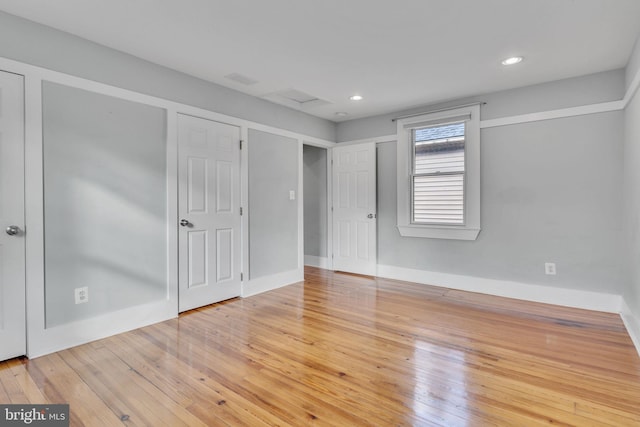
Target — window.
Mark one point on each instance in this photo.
(439, 174)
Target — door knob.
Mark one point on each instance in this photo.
(371, 216)
(184, 223)
(12, 230)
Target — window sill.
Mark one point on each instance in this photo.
(435, 232)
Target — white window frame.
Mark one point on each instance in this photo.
(471, 227)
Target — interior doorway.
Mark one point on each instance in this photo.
(316, 206)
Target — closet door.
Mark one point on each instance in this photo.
(12, 246)
(209, 203)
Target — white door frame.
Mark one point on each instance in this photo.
(329, 183)
(13, 262)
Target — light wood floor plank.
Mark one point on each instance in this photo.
(124, 390)
(188, 386)
(348, 350)
(25, 382)
(59, 383)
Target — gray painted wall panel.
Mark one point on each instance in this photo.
(273, 218)
(550, 191)
(36, 44)
(633, 67)
(632, 204)
(315, 201)
(105, 202)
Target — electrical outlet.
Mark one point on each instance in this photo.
(292, 195)
(550, 268)
(82, 295)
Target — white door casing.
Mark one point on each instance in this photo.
(354, 208)
(12, 247)
(209, 237)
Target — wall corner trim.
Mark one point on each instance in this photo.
(316, 261)
(632, 323)
(632, 89)
(268, 283)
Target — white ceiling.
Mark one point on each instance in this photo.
(397, 54)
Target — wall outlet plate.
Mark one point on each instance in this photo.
(82, 295)
(550, 268)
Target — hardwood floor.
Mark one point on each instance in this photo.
(344, 350)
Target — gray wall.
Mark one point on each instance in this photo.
(591, 89)
(550, 192)
(273, 218)
(104, 203)
(632, 203)
(315, 201)
(634, 64)
(36, 44)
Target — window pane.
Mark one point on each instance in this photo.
(439, 149)
(438, 169)
(438, 199)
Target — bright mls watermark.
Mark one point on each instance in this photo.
(34, 415)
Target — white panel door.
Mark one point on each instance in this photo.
(209, 200)
(354, 208)
(12, 259)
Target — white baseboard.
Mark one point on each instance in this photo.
(73, 334)
(316, 261)
(632, 323)
(81, 332)
(546, 294)
(268, 283)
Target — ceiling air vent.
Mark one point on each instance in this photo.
(239, 78)
(295, 98)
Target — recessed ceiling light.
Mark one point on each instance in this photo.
(341, 114)
(355, 98)
(513, 60)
